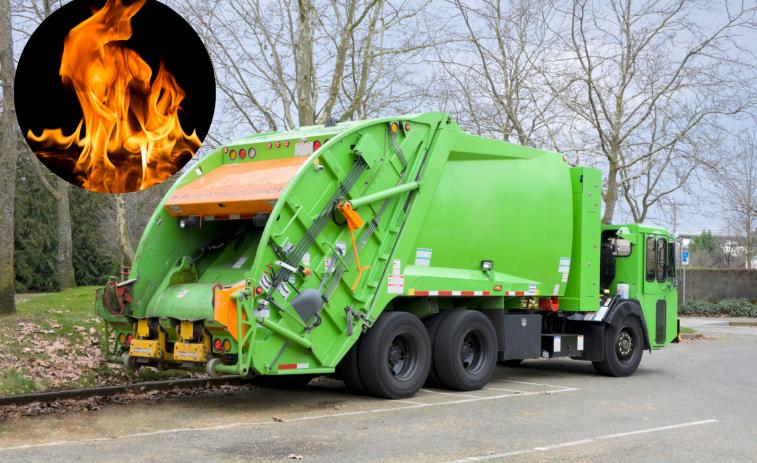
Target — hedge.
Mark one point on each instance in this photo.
(730, 307)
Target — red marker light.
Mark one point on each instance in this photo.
(286, 143)
(278, 144)
(407, 127)
(259, 290)
(129, 337)
(316, 145)
(242, 153)
(217, 344)
(225, 150)
(270, 145)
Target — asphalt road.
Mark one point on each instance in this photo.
(689, 402)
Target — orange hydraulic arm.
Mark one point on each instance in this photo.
(354, 222)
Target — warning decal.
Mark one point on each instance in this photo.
(396, 284)
(265, 282)
(557, 290)
(239, 262)
(396, 267)
(564, 265)
(306, 258)
(327, 265)
(423, 257)
(284, 290)
(182, 293)
(564, 277)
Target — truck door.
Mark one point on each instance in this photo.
(656, 288)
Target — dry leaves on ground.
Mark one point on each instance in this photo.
(95, 403)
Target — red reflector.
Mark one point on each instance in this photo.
(259, 290)
(316, 145)
(269, 145)
(128, 339)
(286, 143)
(217, 344)
(407, 127)
(242, 153)
(278, 144)
(225, 150)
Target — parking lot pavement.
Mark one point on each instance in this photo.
(690, 401)
(719, 327)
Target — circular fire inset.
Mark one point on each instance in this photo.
(115, 96)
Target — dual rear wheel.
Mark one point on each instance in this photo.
(400, 353)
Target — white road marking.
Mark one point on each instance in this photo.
(500, 389)
(532, 384)
(447, 393)
(695, 423)
(585, 441)
(565, 444)
(303, 418)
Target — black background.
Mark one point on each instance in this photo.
(43, 102)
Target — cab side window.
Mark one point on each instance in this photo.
(651, 258)
(662, 259)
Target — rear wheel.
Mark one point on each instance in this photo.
(623, 348)
(465, 350)
(395, 356)
(348, 370)
(432, 324)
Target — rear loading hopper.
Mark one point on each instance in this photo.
(274, 254)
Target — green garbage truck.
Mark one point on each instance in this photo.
(394, 253)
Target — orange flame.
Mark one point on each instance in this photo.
(125, 116)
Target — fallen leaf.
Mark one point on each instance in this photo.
(295, 457)
(92, 331)
(337, 407)
(278, 420)
(547, 393)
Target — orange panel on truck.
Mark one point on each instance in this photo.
(235, 188)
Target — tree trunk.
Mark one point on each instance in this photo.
(8, 151)
(304, 65)
(611, 196)
(123, 234)
(65, 246)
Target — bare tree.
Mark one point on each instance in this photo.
(642, 75)
(30, 14)
(492, 85)
(735, 193)
(281, 64)
(8, 155)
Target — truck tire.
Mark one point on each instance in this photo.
(624, 346)
(465, 350)
(395, 356)
(348, 370)
(432, 324)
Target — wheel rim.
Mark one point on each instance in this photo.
(403, 356)
(625, 345)
(473, 353)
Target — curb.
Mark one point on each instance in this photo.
(691, 336)
(23, 399)
(743, 323)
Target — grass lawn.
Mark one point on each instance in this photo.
(55, 341)
(687, 330)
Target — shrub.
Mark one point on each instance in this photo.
(697, 308)
(730, 307)
(737, 308)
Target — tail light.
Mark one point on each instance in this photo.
(242, 153)
(270, 145)
(225, 150)
(278, 144)
(217, 345)
(316, 145)
(286, 143)
(129, 337)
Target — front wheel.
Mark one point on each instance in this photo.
(395, 356)
(623, 347)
